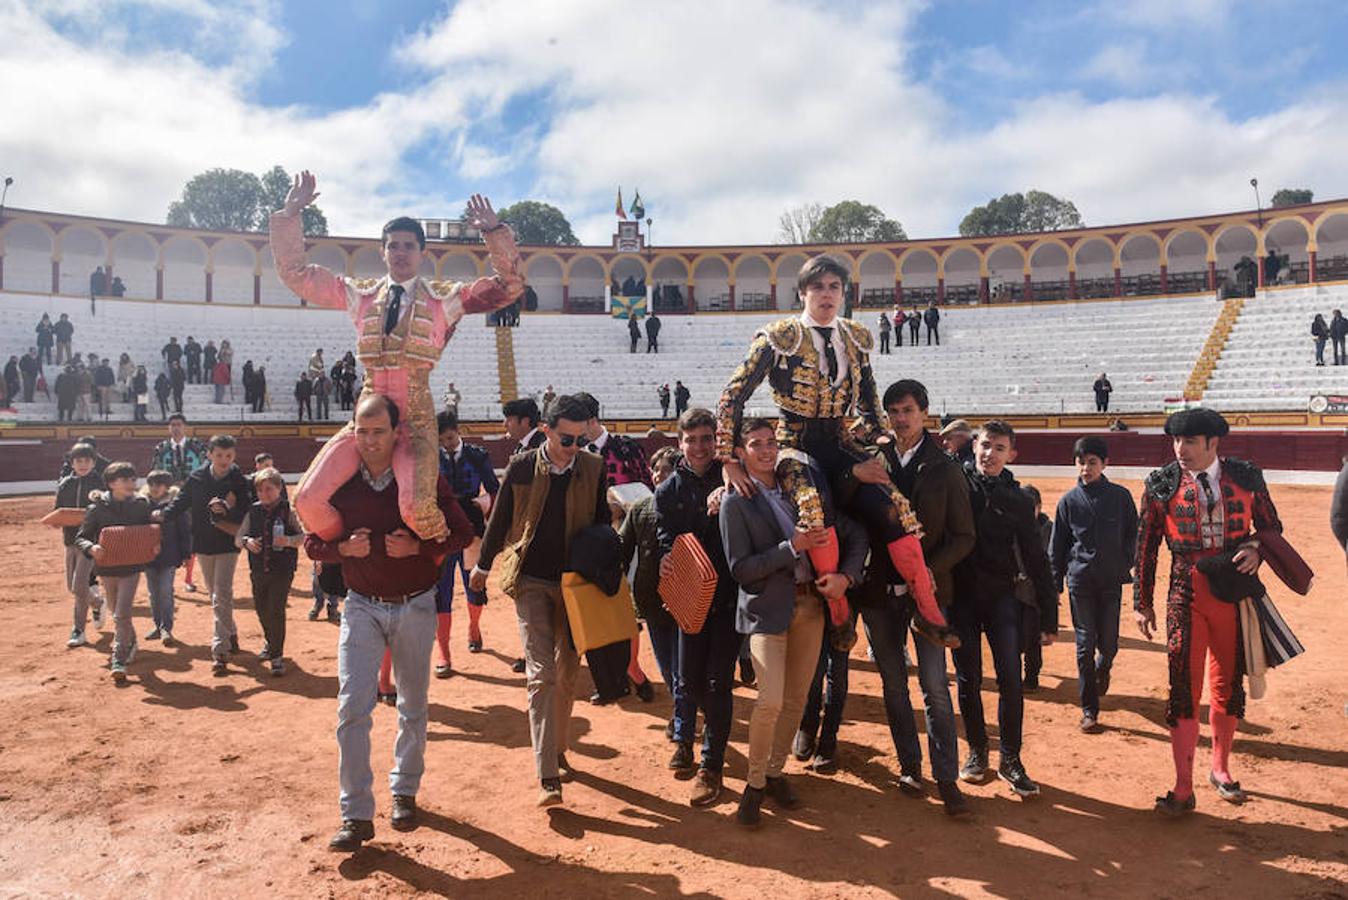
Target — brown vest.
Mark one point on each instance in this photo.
(528, 500)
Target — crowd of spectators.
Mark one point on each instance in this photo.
(890, 329)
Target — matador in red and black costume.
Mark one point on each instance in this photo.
(1202, 505)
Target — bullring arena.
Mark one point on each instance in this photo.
(178, 784)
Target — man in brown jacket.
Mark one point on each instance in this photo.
(555, 489)
(933, 483)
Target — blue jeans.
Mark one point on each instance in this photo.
(887, 632)
(999, 620)
(665, 646)
(408, 631)
(159, 582)
(833, 664)
(706, 678)
(1095, 616)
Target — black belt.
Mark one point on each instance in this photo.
(395, 599)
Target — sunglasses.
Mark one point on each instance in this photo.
(569, 440)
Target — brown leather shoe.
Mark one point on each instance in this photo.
(404, 816)
(706, 788)
(353, 833)
(779, 789)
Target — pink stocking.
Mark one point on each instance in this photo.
(333, 467)
(634, 665)
(1183, 742)
(443, 622)
(906, 554)
(386, 673)
(1223, 736)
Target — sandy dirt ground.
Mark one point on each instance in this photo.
(184, 785)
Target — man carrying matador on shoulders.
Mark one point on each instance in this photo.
(403, 322)
(817, 366)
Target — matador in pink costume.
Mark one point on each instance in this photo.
(402, 325)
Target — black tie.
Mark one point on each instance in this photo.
(1207, 491)
(395, 306)
(830, 357)
(178, 456)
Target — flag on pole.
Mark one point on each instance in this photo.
(638, 208)
(619, 211)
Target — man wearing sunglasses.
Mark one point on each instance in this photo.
(553, 491)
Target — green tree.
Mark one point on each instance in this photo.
(538, 223)
(851, 221)
(234, 200)
(1012, 213)
(275, 186)
(795, 225)
(1292, 196)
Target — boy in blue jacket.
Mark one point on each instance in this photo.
(175, 546)
(1094, 544)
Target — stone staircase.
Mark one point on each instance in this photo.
(505, 363)
(1212, 349)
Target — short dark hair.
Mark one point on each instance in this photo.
(697, 417)
(446, 420)
(88, 439)
(906, 387)
(223, 441)
(257, 459)
(403, 223)
(752, 424)
(83, 450)
(569, 407)
(999, 427)
(667, 454)
(590, 402)
(178, 417)
(1090, 445)
(159, 476)
(389, 406)
(521, 408)
(117, 470)
(1032, 492)
(816, 267)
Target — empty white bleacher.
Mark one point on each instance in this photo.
(279, 338)
(1034, 358)
(1269, 359)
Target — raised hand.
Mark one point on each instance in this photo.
(302, 193)
(480, 214)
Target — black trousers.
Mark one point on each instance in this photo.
(193, 371)
(270, 590)
(322, 407)
(653, 344)
(1102, 403)
(884, 342)
(305, 407)
(934, 331)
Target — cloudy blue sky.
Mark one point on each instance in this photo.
(722, 114)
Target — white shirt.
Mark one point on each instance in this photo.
(597, 445)
(836, 339)
(907, 456)
(552, 466)
(409, 294)
(524, 441)
(1214, 472)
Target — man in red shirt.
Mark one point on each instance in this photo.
(391, 576)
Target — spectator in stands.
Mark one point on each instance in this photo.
(220, 380)
(246, 378)
(662, 393)
(633, 332)
(1320, 332)
(66, 386)
(85, 376)
(104, 381)
(162, 390)
(1102, 389)
(140, 392)
(12, 379)
(192, 352)
(260, 389)
(322, 390)
(914, 323)
(208, 355)
(63, 331)
(126, 370)
(885, 328)
(1338, 331)
(345, 379)
(548, 396)
(98, 283)
(933, 319)
(681, 397)
(899, 319)
(452, 399)
(46, 336)
(177, 381)
(1271, 266)
(304, 390)
(226, 356)
(171, 352)
(117, 289)
(316, 364)
(653, 333)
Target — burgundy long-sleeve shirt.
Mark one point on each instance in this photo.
(379, 575)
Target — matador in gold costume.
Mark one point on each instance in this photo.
(818, 368)
(403, 322)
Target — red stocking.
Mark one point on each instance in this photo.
(1183, 742)
(386, 673)
(906, 554)
(443, 622)
(1223, 736)
(474, 617)
(633, 664)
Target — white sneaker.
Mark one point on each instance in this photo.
(98, 616)
(154, 634)
(167, 637)
(76, 638)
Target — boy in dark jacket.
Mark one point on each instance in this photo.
(120, 505)
(1094, 545)
(218, 496)
(271, 534)
(73, 492)
(175, 547)
(1034, 653)
(986, 603)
